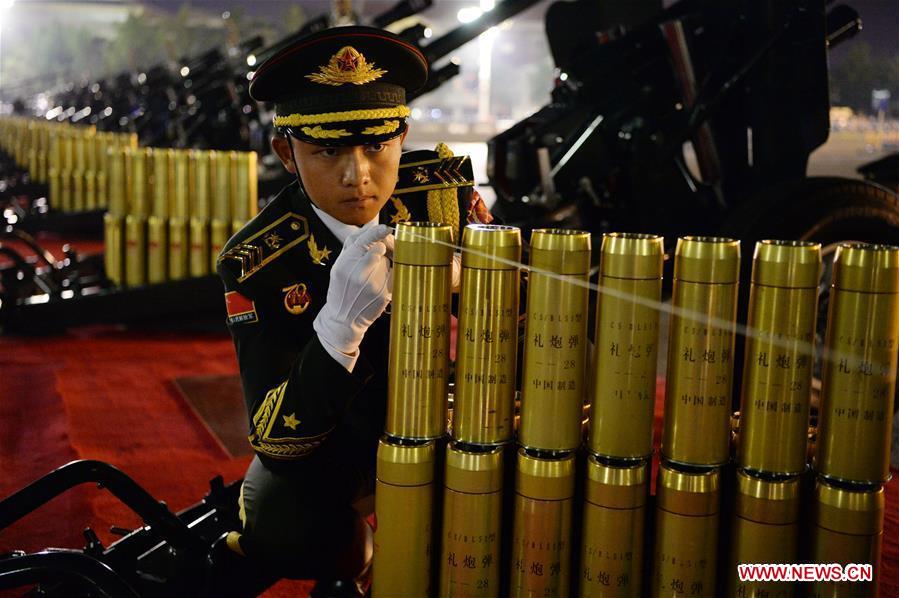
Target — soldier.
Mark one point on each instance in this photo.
(307, 283)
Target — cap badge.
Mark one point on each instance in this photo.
(348, 65)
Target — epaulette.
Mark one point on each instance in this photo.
(261, 248)
(436, 173)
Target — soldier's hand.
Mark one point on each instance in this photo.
(457, 272)
(358, 292)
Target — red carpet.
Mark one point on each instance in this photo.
(105, 393)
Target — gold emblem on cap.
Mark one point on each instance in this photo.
(348, 65)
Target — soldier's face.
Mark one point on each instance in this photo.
(352, 183)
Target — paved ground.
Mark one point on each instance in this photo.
(847, 150)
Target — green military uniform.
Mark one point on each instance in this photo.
(313, 425)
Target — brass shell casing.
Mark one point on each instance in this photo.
(114, 247)
(157, 222)
(179, 226)
(181, 185)
(78, 169)
(765, 530)
(859, 381)
(245, 185)
(848, 529)
(418, 364)
(221, 201)
(552, 393)
(201, 204)
(128, 140)
(199, 184)
(163, 183)
(471, 536)
(138, 164)
(700, 351)
(627, 336)
(30, 146)
(200, 244)
(687, 511)
(135, 250)
(90, 190)
(90, 171)
(777, 372)
(157, 249)
(614, 522)
(40, 165)
(220, 181)
(404, 508)
(488, 334)
(67, 159)
(117, 189)
(97, 165)
(179, 248)
(541, 540)
(54, 170)
(43, 159)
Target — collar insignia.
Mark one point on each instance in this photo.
(402, 212)
(297, 298)
(318, 255)
(348, 65)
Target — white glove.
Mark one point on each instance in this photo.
(358, 293)
(457, 272)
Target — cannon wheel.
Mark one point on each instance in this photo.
(826, 210)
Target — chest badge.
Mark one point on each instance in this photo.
(318, 255)
(297, 298)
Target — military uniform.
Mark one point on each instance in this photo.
(315, 419)
(313, 425)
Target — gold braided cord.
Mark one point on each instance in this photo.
(389, 126)
(241, 508)
(443, 204)
(296, 120)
